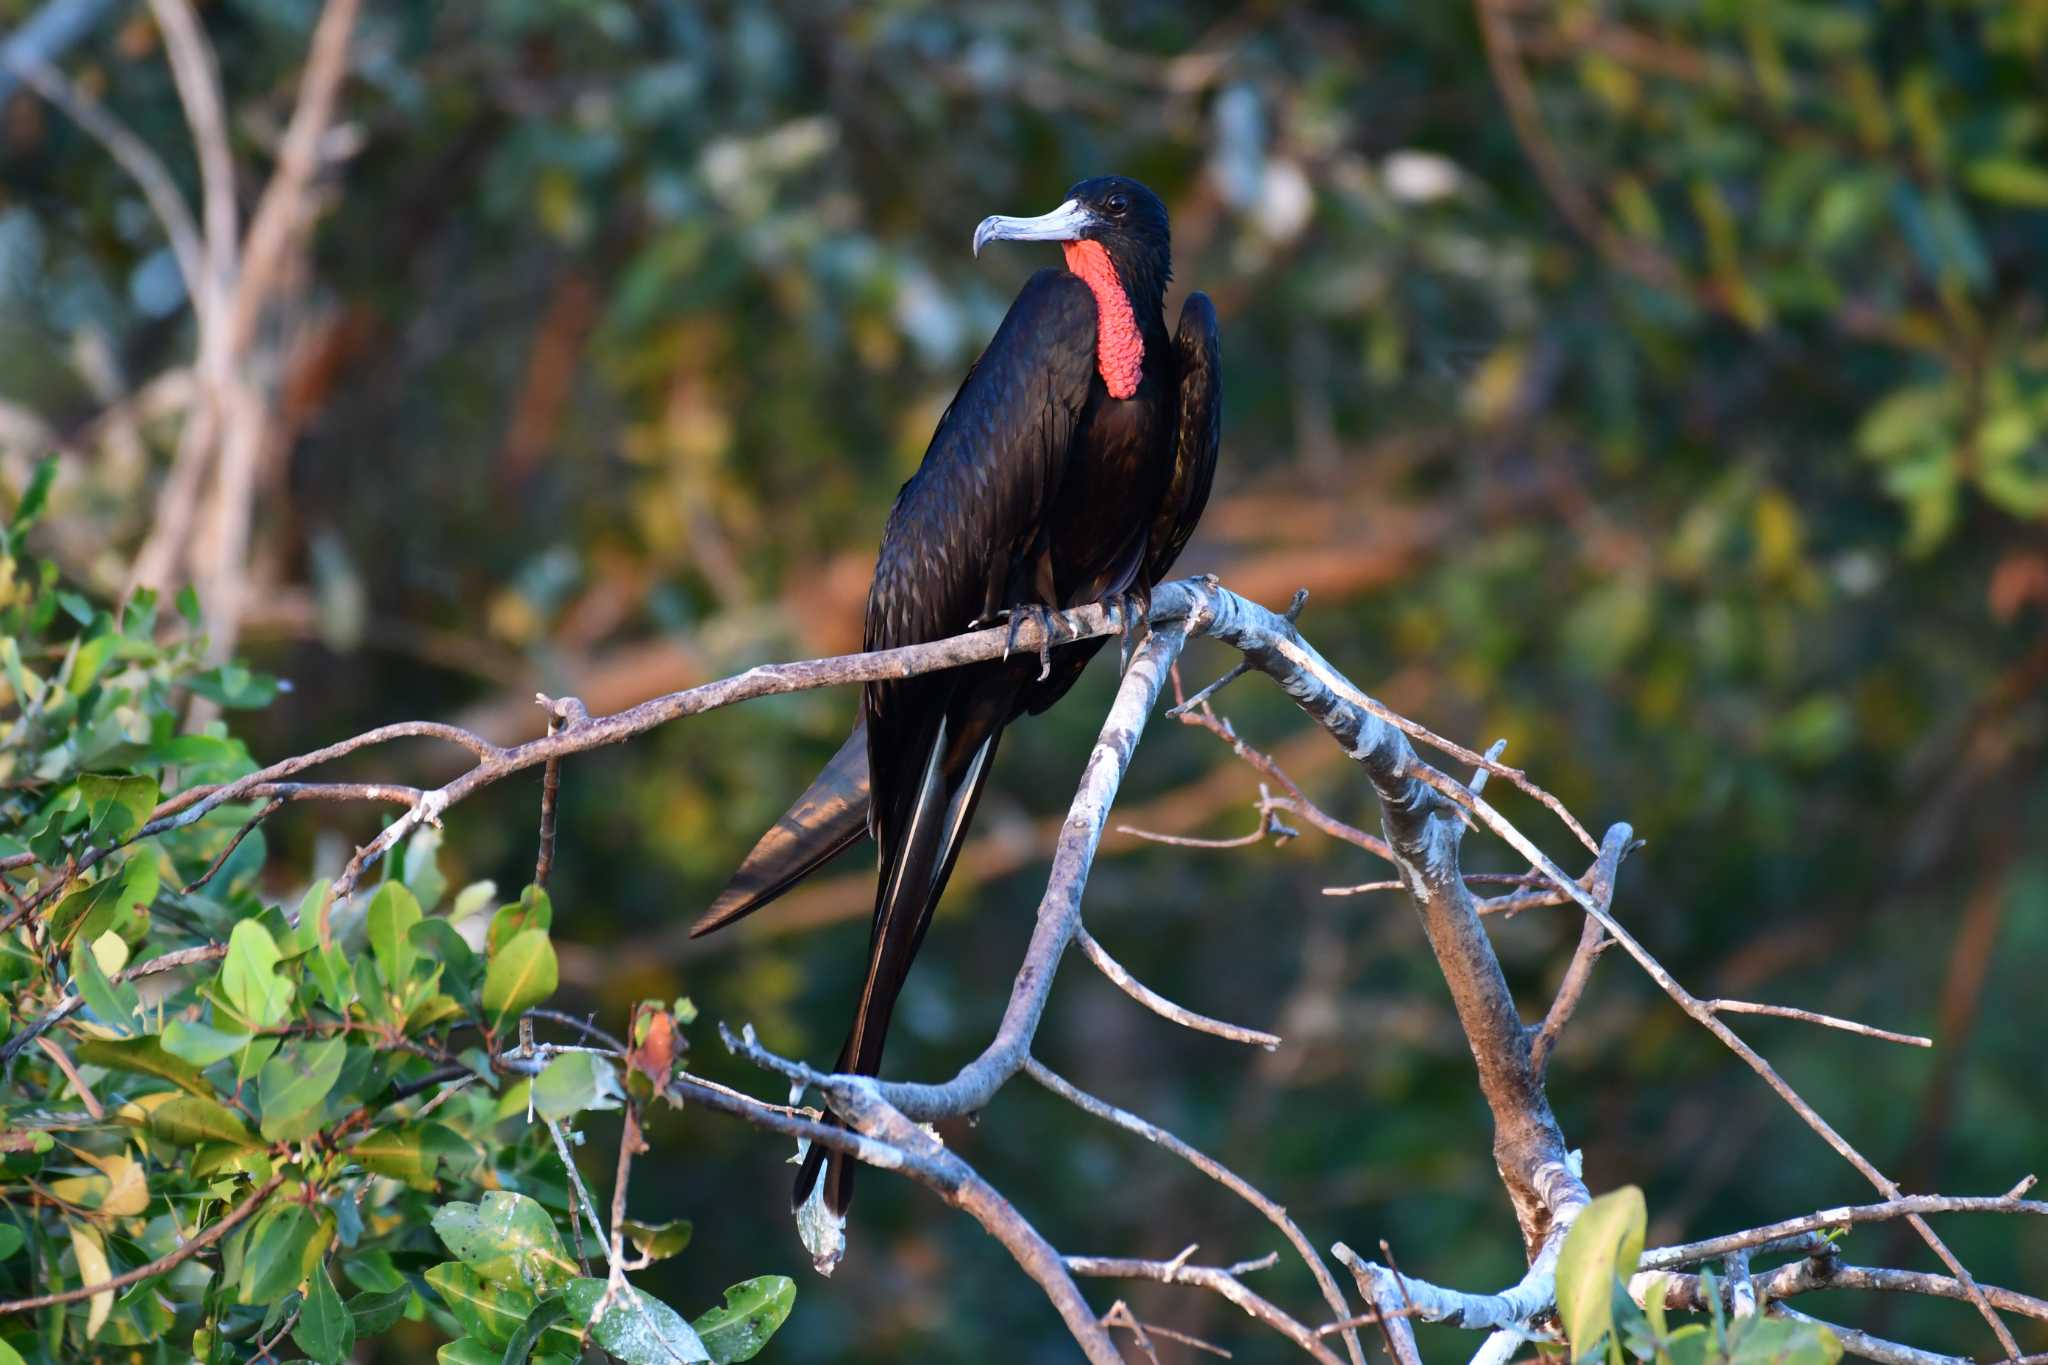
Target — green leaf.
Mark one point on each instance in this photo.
(325, 1332)
(639, 1330)
(89, 913)
(201, 1044)
(489, 1312)
(145, 1056)
(249, 977)
(422, 870)
(507, 1239)
(464, 1351)
(411, 1152)
(659, 1241)
(11, 1240)
(1604, 1244)
(113, 1005)
(573, 1082)
(1687, 1346)
(752, 1311)
(1778, 1341)
(190, 1120)
(235, 687)
(375, 1311)
(116, 806)
(534, 911)
(295, 1082)
(522, 974)
(34, 496)
(551, 1311)
(285, 1246)
(10, 1356)
(392, 915)
(2009, 180)
(330, 972)
(471, 899)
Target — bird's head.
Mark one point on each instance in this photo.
(1118, 214)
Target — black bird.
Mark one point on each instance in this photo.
(1070, 468)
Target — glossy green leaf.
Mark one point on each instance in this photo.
(638, 1329)
(391, 917)
(491, 1313)
(376, 1311)
(522, 974)
(574, 1082)
(192, 1119)
(116, 805)
(249, 978)
(533, 911)
(753, 1309)
(551, 1311)
(325, 1331)
(201, 1045)
(113, 1005)
(507, 1239)
(1602, 1247)
(145, 1056)
(285, 1246)
(659, 1241)
(295, 1083)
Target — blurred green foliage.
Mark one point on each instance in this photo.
(1662, 386)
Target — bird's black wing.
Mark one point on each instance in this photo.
(828, 818)
(1197, 434)
(965, 540)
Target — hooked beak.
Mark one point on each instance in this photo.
(1063, 224)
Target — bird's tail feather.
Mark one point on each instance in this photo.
(830, 815)
(909, 890)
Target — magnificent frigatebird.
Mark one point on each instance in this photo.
(1070, 468)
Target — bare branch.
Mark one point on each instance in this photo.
(1859, 1343)
(1908, 1206)
(1813, 1017)
(1215, 1170)
(1220, 1279)
(1592, 940)
(221, 860)
(1160, 1005)
(1814, 1273)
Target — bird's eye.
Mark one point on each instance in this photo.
(1116, 204)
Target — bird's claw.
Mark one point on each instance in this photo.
(1045, 619)
(1133, 610)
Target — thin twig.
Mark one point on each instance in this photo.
(1160, 1005)
(220, 861)
(1221, 1280)
(1215, 1170)
(1814, 1017)
(1908, 1206)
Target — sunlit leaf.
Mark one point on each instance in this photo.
(636, 1328)
(1601, 1248)
(753, 1309)
(507, 1239)
(522, 974)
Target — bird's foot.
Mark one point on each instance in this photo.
(1045, 619)
(1133, 610)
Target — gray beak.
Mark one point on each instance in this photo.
(1063, 224)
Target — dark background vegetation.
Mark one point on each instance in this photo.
(1691, 432)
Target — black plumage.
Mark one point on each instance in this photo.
(1041, 489)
